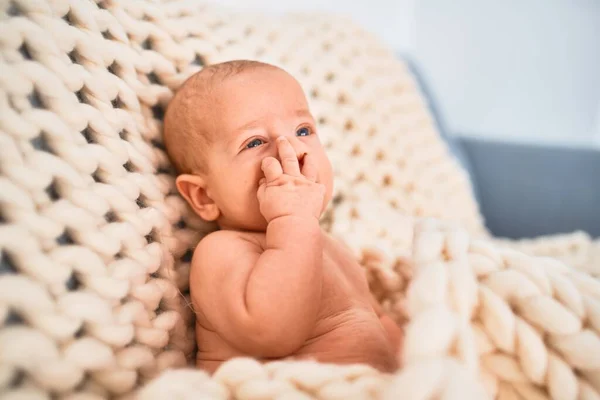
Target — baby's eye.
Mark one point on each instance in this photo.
(304, 131)
(254, 143)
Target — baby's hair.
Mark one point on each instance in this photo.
(185, 136)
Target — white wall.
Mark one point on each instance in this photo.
(391, 19)
(516, 69)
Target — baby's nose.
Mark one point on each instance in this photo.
(301, 159)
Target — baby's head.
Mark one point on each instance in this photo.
(220, 125)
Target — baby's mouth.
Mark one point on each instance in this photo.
(301, 160)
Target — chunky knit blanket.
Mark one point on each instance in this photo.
(95, 243)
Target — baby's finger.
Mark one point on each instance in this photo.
(287, 155)
(260, 193)
(309, 168)
(271, 168)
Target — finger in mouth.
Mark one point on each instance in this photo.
(301, 159)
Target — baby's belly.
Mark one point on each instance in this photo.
(349, 337)
(354, 336)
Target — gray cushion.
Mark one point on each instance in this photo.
(529, 190)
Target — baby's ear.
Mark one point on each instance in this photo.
(193, 190)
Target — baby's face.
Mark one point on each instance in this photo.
(251, 110)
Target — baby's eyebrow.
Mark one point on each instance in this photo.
(234, 135)
(248, 125)
(303, 112)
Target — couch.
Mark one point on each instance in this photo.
(524, 189)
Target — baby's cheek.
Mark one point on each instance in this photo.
(248, 175)
(257, 172)
(326, 178)
(327, 171)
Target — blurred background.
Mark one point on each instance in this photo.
(516, 70)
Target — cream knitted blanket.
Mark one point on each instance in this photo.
(95, 244)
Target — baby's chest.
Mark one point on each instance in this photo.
(343, 279)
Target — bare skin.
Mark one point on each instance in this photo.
(270, 284)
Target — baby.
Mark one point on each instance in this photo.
(270, 284)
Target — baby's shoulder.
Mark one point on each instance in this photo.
(224, 245)
(218, 241)
(219, 237)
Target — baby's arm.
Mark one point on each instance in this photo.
(265, 303)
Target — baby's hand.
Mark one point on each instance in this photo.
(287, 191)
